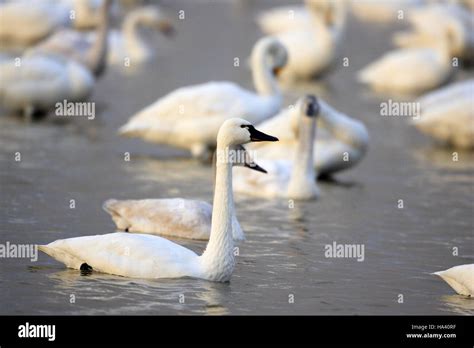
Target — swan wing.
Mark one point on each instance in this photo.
(125, 254)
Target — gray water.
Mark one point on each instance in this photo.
(284, 253)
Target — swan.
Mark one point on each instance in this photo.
(148, 256)
(409, 70)
(447, 114)
(381, 11)
(25, 23)
(452, 18)
(77, 46)
(174, 217)
(341, 142)
(294, 179)
(313, 49)
(42, 80)
(189, 117)
(460, 278)
(290, 18)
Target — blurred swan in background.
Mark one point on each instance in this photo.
(381, 11)
(450, 18)
(293, 178)
(36, 82)
(460, 278)
(292, 17)
(340, 144)
(313, 49)
(175, 217)
(410, 70)
(147, 256)
(447, 114)
(190, 117)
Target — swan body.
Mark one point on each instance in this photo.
(294, 178)
(447, 114)
(190, 117)
(411, 70)
(25, 23)
(340, 144)
(148, 256)
(381, 11)
(41, 82)
(460, 278)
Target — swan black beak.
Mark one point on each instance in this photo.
(256, 167)
(256, 135)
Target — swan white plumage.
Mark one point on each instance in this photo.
(189, 117)
(410, 70)
(25, 23)
(147, 256)
(447, 114)
(290, 18)
(313, 49)
(290, 178)
(340, 144)
(173, 217)
(381, 11)
(460, 278)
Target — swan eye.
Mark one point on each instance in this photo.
(247, 126)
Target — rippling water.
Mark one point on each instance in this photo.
(284, 251)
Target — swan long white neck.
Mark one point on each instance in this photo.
(263, 78)
(303, 176)
(133, 42)
(218, 258)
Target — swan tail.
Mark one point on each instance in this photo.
(68, 260)
(111, 206)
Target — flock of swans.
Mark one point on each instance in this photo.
(296, 145)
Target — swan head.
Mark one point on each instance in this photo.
(237, 131)
(244, 159)
(272, 52)
(152, 17)
(307, 107)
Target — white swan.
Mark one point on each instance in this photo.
(294, 178)
(291, 18)
(460, 278)
(25, 23)
(381, 11)
(148, 256)
(340, 144)
(174, 217)
(313, 49)
(410, 70)
(189, 117)
(447, 114)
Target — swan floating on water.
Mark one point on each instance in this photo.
(460, 278)
(174, 217)
(447, 114)
(290, 178)
(313, 49)
(190, 117)
(147, 256)
(341, 141)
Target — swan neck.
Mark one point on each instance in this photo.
(218, 258)
(96, 61)
(263, 78)
(133, 41)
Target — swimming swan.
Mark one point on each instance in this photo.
(410, 70)
(290, 178)
(313, 49)
(147, 256)
(190, 117)
(460, 278)
(174, 217)
(340, 144)
(447, 114)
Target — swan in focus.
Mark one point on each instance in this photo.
(189, 117)
(451, 18)
(290, 178)
(381, 11)
(447, 114)
(313, 49)
(175, 217)
(340, 144)
(460, 278)
(291, 18)
(25, 23)
(147, 256)
(42, 80)
(410, 70)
